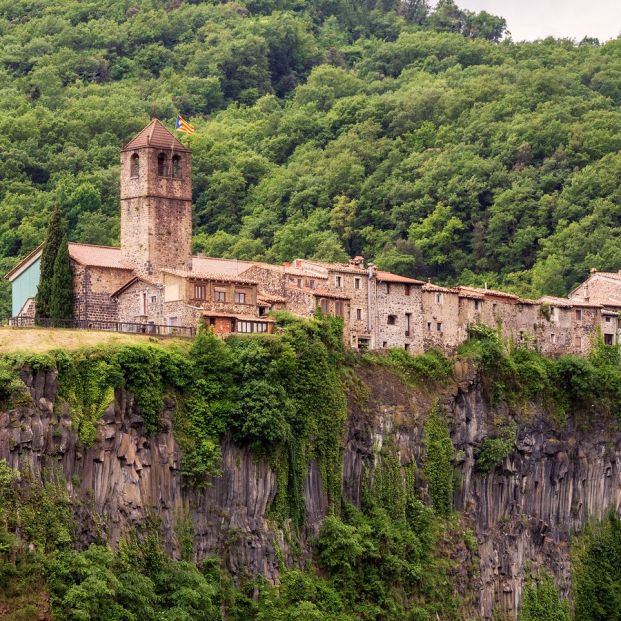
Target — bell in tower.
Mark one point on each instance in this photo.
(156, 202)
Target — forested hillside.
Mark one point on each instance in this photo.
(420, 139)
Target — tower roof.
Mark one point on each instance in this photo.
(155, 135)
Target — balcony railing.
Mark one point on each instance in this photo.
(108, 326)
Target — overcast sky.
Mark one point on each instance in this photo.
(536, 19)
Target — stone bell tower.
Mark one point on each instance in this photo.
(156, 202)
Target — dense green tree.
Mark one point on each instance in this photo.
(51, 246)
(61, 299)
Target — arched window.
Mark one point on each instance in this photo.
(176, 166)
(134, 165)
(161, 165)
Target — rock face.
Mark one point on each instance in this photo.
(522, 513)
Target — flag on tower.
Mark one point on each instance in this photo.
(183, 126)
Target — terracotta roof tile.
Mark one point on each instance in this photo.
(233, 267)
(98, 256)
(429, 286)
(155, 135)
(389, 277)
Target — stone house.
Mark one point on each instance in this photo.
(399, 312)
(441, 329)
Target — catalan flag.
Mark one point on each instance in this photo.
(183, 126)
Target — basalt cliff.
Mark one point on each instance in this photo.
(523, 512)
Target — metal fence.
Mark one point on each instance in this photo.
(108, 326)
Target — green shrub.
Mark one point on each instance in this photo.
(493, 451)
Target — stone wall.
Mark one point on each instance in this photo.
(396, 302)
(441, 329)
(93, 287)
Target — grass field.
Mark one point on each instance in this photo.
(38, 340)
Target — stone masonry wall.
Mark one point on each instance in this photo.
(396, 303)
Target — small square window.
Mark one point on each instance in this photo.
(607, 319)
(392, 320)
(384, 345)
(578, 314)
(219, 296)
(240, 297)
(608, 339)
(407, 347)
(439, 326)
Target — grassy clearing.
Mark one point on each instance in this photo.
(39, 340)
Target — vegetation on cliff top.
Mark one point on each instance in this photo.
(323, 129)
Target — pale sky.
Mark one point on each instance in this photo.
(537, 19)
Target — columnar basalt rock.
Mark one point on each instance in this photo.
(523, 513)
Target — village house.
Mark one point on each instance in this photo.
(153, 283)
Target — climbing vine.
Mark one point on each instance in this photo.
(438, 462)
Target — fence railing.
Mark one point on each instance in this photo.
(109, 326)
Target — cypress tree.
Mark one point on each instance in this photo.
(61, 302)
(50, 250)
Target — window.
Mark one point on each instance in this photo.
(387, 287)
(161, 165)
(359, 314)
(477, 305)
(171, 321)
(323, 303)
(408, 317)
(153, 299)
(247, 327)
(407, 347)
(262, 311)
(578, 342)
(363, 344)
(392, 320)
(439, 327)
(176, 166)
(578, 314)
(300, 283)
(240, 297)
(311, 283)
(494, 308)
(338, 281)
(356, 283)
(439, 298)
(553, 338)
(608, 339)
(554, 314)
(338, 308)
(607, 319)
(200, 292)
(521, 336)
(134, 165)
(407, 289)
(219, 295)
(429, 325)
(384, 345)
